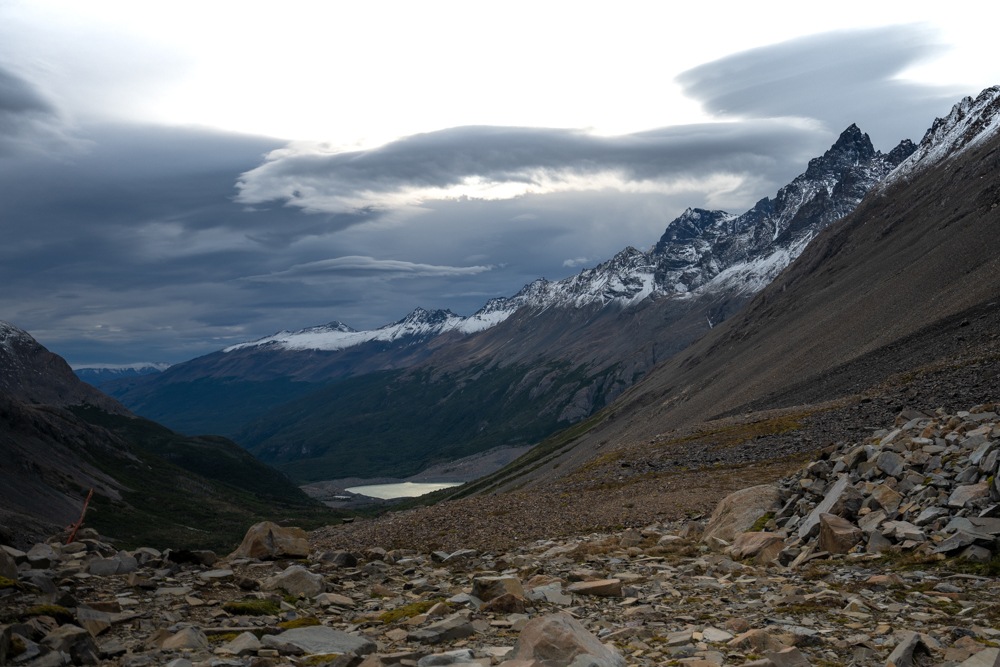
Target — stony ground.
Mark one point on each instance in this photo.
(880, 551)
(657, 597)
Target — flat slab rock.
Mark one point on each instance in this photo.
(319, 639)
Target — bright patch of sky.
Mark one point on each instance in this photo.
(360, 74)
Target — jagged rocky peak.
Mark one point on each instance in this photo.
(853, 147)
(690, 225)
(969, 122)
(421, 316)
(716, 250)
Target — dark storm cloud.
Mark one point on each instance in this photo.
(838, 78)
(132, 242)
(29, 122)
(17, 96)
(534, 156)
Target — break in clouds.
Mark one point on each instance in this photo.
(141, 242)
(772, 102)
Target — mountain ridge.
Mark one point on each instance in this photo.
(575, 362)
(60, 437)
(898, 300)
(544, 358)
(736, 244)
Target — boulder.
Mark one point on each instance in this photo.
(318, 639)
(559, 640)
(186, 638)
(989, 657)
(840, 499)
(268, 541)
(296, 580)
(8, 567)
(739, 511)
(599, 588)
(456, 626)
(837, 535)
(487, 588)
(763, 547)
(911, 651)
(964, 494)
(244, 644)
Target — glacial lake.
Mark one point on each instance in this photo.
(400, 490)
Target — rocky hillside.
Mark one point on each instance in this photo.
(31, 374)
(59, 438)
(912, 584)
(898, 292)
(436, 386)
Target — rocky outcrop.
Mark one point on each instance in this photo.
(928, 485)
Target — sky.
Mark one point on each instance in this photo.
(178, 177)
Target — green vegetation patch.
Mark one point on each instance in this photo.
(761, 522)
(408, 610)
(253, 607)
(304, 622)
(10, 583)
(61, 614)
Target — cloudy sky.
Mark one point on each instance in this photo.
(176, 177)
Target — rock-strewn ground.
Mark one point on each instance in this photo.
(659, 594)
(657, 597)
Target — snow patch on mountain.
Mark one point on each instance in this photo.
(699, 252)
(969, 123)
(138, 366)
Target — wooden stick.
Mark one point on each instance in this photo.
(76, 526)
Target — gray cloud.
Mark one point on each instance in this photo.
(29, 121)
(539, 157)
(365, 266)
(131, 242)
(839, 78)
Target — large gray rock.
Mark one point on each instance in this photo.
(42, 556)
(268, 541)
(964, 494)
(559, 640)
(841, 494)
(837, 535)
(911, 651)
(762, 546)
(487, 588)
(598, 588)
(245, 644)
(737, 512)
(318, 639)
(296, 580)
(189, 638)
(989, 657)
(8, 567)
(456, 626)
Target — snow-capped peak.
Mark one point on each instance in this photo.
(700, 251)
(158, 366)
(970, 122)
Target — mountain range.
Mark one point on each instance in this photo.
(329, 401)
(892, 309)
(895, 307)
(98, 375)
